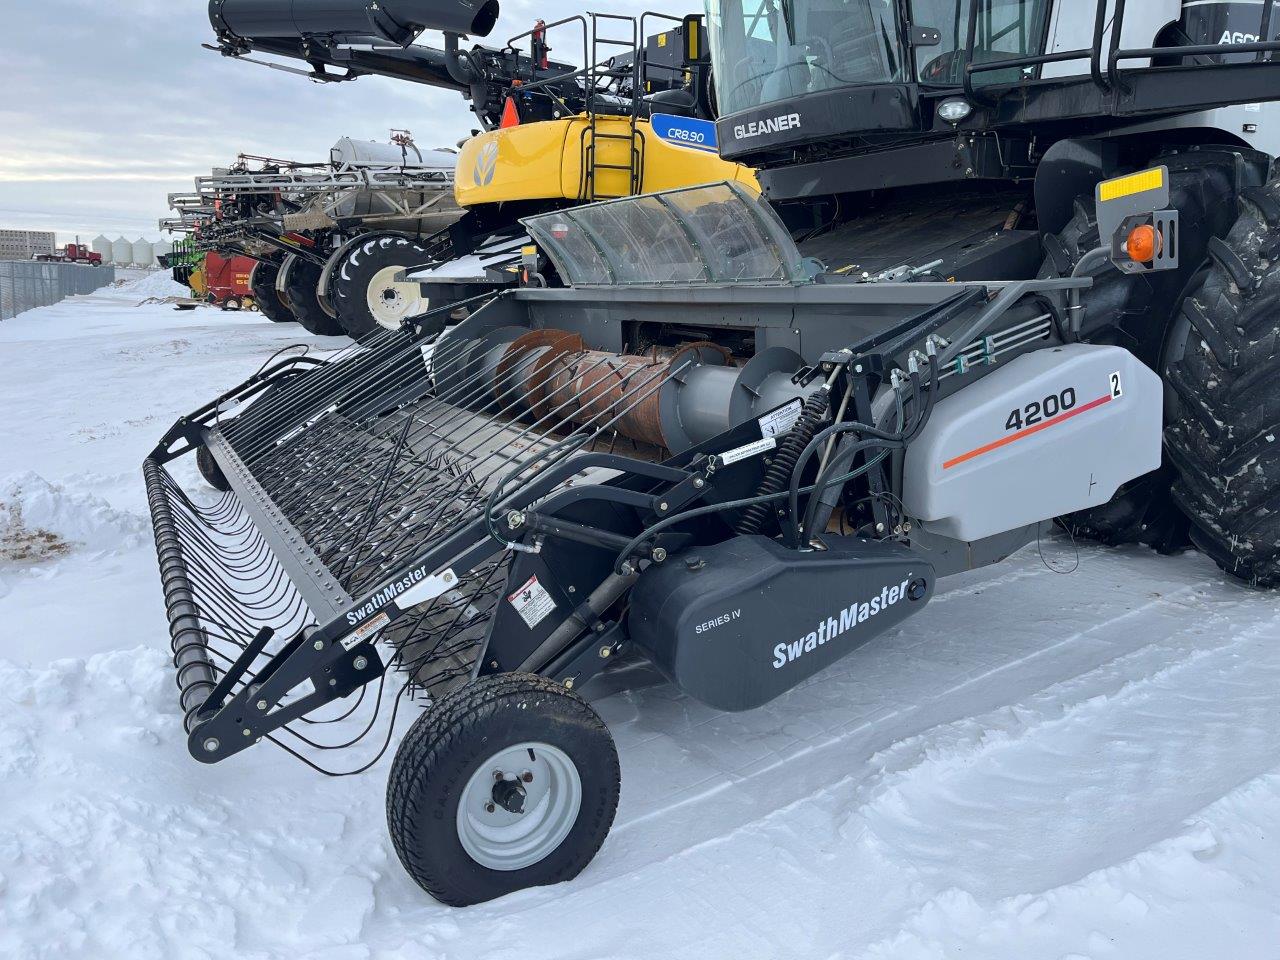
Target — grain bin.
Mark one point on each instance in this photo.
(142, 253)
(121, 252)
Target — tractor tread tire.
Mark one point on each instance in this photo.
(1203, 187)
(262, 284)
(1225, 442)
(300, 290)
(442, 749)
(350, 280)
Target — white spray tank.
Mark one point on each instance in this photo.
(435, 207)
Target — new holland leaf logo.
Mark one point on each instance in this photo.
(486, 164)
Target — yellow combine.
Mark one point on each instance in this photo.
(566, 159)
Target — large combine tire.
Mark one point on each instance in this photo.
(364, 292)
(300, 282)
(1224, 440)
(1203, 188)
(262, 281)
(508, 782)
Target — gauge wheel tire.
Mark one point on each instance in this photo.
(1202, 187)
(1225, 440)
(210, 470)
(233, 303)
(262, 281)
(454, 819)
(300, 290)
(364, 292)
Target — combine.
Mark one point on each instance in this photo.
(1013, 261)
(632, 119)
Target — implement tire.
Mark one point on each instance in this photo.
(456, 826)
(363, 291)
(262, 283)
(1224, 441)
(210, 470)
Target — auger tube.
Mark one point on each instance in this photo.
(391, 21)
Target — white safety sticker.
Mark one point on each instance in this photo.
(742, 453)
(532, 602)
(780, 420)
(364, 631)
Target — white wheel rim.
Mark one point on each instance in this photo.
(391, 302)
(500, 839)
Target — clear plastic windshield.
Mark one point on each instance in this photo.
(720, 233)
(764, 51)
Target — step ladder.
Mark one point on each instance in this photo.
(612, 162)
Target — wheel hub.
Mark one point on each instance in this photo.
(509, 795)
(518, 807)
(390, 302)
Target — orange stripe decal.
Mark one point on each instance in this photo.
(1021, 434)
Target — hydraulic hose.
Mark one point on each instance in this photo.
(784, 460)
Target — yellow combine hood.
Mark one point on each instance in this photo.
(547, 160)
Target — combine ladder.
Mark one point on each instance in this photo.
(611, 162)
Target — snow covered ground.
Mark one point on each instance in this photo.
(1036, 766)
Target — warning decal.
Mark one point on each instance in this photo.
(781, 420)
(365, 630)
(532, 602)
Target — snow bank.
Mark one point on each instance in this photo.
(40, 521)
(159, 283)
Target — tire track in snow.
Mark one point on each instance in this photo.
(806, 835)
(861, 836)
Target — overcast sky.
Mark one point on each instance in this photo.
(107, 107)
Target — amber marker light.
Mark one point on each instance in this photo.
(1142, 243)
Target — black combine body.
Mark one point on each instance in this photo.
(995, 279)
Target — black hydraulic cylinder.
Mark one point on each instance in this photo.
(350, 21)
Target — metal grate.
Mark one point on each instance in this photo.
(345, 476)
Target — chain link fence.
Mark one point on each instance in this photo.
(26, 284)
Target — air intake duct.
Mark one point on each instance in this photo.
(350, 21)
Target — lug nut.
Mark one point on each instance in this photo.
(489, 808)
(527, 776)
